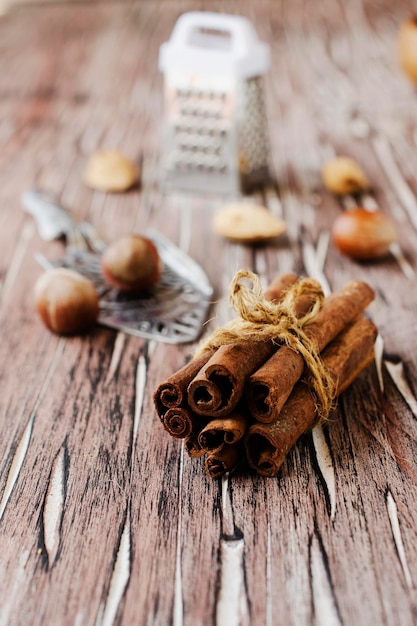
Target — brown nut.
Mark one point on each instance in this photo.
(407, 48)
(66, 301)
(247, 223)
(362, 234)
(110, 170)
(131, 263)
(342, 175)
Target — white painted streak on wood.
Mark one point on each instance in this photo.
(99, 618)
(349, 202)
(379, 353)
(326, 467)
(396, 532)
(322, 248)
(152, 346)
(325, 609)
(232, 606)
(16, 465)
(227, 511)
(368, 202)
(116, 356)
(262, 267)
(16, 261)
(396, 371)
(359, 128)
(269, 620)
(273, 202)
(54, 506)
(313, 267)
(393, 173)
(398, 255)
(23, 445)
(141, 372)
(314, 260)
(80, 619)
(120, 577)
(178, 599)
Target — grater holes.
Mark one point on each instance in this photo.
(183, 92)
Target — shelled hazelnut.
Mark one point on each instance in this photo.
(131, 263)
(66, 301)
(342, 175)
(247, 223)
(362, 234)
(110, 171)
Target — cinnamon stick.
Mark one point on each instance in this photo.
(179, 422)
(346, 357)
(224, 460)
(279, 285)
(172, 392)
(228, 430)
(192, 445)
(269, 387)
(218, 387)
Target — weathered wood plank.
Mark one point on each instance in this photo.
(103, 518)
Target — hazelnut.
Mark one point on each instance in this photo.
(110, 170)
(407, 47)
(247, 223)
(343, 175)
(66, 301)
(131, 263)
(362, 234)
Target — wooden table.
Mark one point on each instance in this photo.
(103, 518)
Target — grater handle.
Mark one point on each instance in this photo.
(197, 29)
(209, 43)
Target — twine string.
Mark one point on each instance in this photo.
(260, 319)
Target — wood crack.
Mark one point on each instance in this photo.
(326, 467)
(396, 372)
(54, 504)
(232, 604)
(324, 601)
(120, 577)
(16, 465)
(23, 445)
(396, 533)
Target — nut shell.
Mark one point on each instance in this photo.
(110, 171)
(66, 301)
(131, 263)
(407, 48)
(343, 175)
(364, 235)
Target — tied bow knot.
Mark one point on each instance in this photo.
(260, 319)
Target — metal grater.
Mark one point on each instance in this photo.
(215, 127)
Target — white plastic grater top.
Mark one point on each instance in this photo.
(215, 127)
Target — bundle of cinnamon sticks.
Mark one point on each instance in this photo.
(252, 398)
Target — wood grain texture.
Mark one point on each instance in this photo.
(103, 517)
